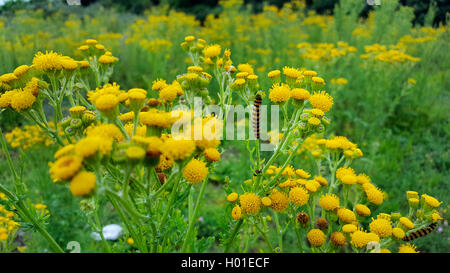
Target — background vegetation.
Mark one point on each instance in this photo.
(402, 127)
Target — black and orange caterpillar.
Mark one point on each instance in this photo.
(256, 116)
(420, 233)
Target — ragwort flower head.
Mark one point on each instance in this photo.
(195, 171)
(279, 93)
(212, 51)
(83, 183)
(346, 215)
(279, 200)
(178, 149)
(22, 100)
(48, 61)
(299, 196)
(407, 248)
(321, 100)
(250, 203)
(381, 227)
(316, 237)
(65, 168)
(329, 202)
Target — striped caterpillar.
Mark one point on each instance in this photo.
(256, 116)
(420, 233)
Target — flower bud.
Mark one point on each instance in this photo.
(303, 218)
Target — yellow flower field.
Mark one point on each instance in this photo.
(278, 131)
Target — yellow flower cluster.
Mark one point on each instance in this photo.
(8, 226)
(27, 137)
(325, 51)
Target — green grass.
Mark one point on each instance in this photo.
(402, 128)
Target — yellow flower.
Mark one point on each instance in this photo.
(291, 73)
(316, 237)
(298, 196)
(165, 162)
(309, 73)
(349, 228)
(21, 70)
(83, 183)
(8, 77)
(302, 173)
(329, 201)
(236, 213)
(406, 223)
(436, 217)
(232, 197)
(407, 248)
(314, 121)
(321, 100)
(68, 149)
(107, 59)
(239, 82)
(338, 239)
(106, 102)
(279, 93)
(318, 80)
(83, 48)
(212, 154)
(5, 99)
(168, 93)
(91, 42)
(322, 181)
(300, 94)
(317, 112)
(48, 61)
(127, 117)
(362, 178)
(178, 149)
(362, 210)
(195, 171)
(22, 100)
(156, 118)
(344, 171)
(312, 185)
(348, 179)
(381, 227)
(274, 74)
(130, 241)
(135, 153)
(359, 239)
(159, 84)
(77, 110)
(68, 63)
(279, 201)
(65, 168)
(398, 233)
(346, 215)
(266, 201)
(246, 68)
(375, 196)
(250, 203)
(431, 201)
(212, 51)
(189, 38)
(90, 145)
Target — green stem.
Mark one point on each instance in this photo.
(266, 238)
(233, 235)
(172, 197)
(194, 216)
